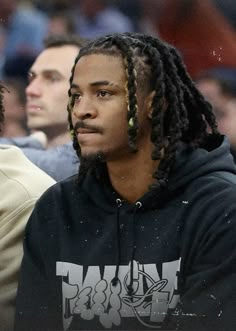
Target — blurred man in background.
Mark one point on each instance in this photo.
(219, 87)
(50, 146)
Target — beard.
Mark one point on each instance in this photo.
(92, 162)
(94, 158)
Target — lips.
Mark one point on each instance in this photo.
(33, 108)
(85, 131)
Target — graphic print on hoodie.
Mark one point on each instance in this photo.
(91, 294)
(94, 262)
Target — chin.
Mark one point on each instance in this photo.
(34, 125)
(93, 156)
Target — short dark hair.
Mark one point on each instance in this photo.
(180, 112)
(63, 40)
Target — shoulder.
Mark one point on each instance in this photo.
(211, 200)
(22, 183)
(20, 174)
(215, 182)
(58, 153)
(59, 162)
(22, 142)
(65, 191)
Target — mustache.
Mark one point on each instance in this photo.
(81, 124)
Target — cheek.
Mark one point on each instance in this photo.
(60, 105)
(116, 132)
(119, 125)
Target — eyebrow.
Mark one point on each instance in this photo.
(97, 83)
(45, 72)
(102, 82)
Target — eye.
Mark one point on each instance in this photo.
(53, 77)
(103, 93)
(30, 76)
(76, 97)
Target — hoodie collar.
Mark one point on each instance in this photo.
(189, 165)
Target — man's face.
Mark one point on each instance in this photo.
(47, 92)
(224, 107)
(99, 114)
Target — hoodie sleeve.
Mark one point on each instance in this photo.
(208, 300)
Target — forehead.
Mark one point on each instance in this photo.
(99, 67)
(60, 59)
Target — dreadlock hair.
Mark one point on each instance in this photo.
(180, 112)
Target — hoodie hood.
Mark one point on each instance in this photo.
(189, 165)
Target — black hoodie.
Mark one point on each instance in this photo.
(168, 262)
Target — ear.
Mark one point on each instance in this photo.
(148, 102)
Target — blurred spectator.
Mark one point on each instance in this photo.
(50, 6)
(61, 23)
(98, 17)
(49, 146)
(15, 114)
(24, 28)
(219, 87)
(200, 31)
(47, 90)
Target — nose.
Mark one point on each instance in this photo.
(84, 109)
(34, 88)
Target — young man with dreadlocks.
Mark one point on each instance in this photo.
(21, 184)
(144, 237)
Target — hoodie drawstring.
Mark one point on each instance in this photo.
(114, 281)
(130, 286)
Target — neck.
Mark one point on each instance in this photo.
(131, 179)
(56, 139)
(13, 129)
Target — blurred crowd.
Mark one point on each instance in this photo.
(39, 41)
(204, 32)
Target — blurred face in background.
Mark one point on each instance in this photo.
(47, 92)
(15, 114)
(224, 106)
